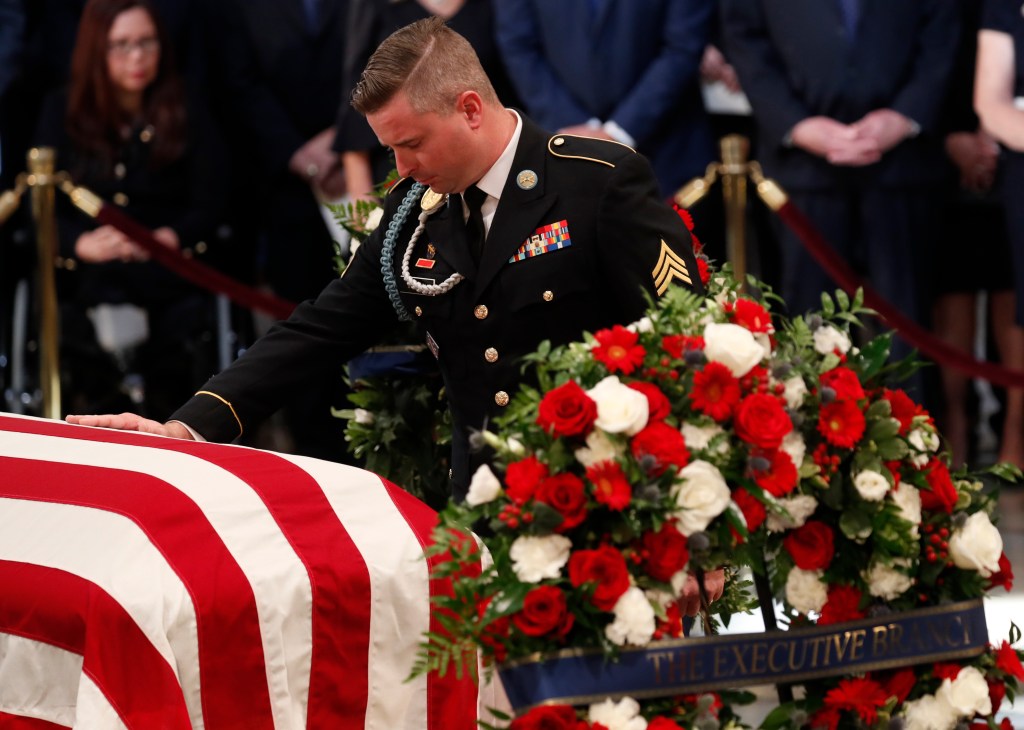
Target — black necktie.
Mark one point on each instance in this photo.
(475, 198)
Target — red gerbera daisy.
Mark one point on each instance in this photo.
(780, 478)
(861, 695)
(617, 349)
(676, 345)
(844, 382)
(715, 391)
(841, 423)
(610, 485)
(748, 313)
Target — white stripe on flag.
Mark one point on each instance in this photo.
(399, 590)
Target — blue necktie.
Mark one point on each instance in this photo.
(312, 8)
(850, 10)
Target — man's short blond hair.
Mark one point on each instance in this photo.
(427, 60)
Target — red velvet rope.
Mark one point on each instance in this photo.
(925, 341)
(198, 273)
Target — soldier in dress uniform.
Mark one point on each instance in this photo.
(554, 236)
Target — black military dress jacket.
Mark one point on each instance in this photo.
(578, 236)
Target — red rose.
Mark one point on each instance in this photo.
(523, 477)
(618, 350)
(748, 313)
(662, 443)
(1004, 577)
(761, 420)
(610, 485)
(544, 612)
(861, 695)
(841, 423)
(665, 552)
(903, 409)
(663, 723)
(941, 495)
(843, 604)
(567, 411)
(715, 391)
(844, 382)
(996, 694)
(1008, 660)
(900, 683)
(604, 567)
(752, 508)
(547, 717)
(657, 403)
(811, 546)
(946, 670)
(567, 495)
(781, 476)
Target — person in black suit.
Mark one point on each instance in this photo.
(570, 233)
(846, 95)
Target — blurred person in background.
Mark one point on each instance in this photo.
(125, 129)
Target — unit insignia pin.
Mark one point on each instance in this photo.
(526, 179)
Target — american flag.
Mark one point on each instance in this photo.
(148, 582)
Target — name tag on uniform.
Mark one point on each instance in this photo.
(552, 237)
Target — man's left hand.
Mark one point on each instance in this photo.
(887, 127)
(714, 586)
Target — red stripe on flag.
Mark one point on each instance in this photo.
(339, 679)
(20, 722)
(55, 607)
(231, 665)
(451, 702)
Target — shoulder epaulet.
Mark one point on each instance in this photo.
(396, 185)
(575, 147)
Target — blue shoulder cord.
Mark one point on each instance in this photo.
(387, 255)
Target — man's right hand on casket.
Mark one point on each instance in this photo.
(133, 422)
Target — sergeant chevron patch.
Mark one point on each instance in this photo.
(670, 266)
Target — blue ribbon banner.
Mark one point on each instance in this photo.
(703, 664)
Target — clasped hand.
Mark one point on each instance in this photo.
(852, 145)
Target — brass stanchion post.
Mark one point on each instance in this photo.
(735, 150)
(41, 180)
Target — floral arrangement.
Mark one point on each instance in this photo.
(711, 434)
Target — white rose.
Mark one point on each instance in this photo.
(977, 545)
(871, 485)
(620, 409)
(599, 448)
(796, 391)
(929, 713)
(732, 346)
(794, 445)
(805, 591)
(697, 438)
(363, 416)
(634, 619)
(765, 341)
(967, 694)
(642, 325)
(484, 487)
(701, 494)
(621, 715)
(827, 339)
(887, 582)
(537, 558)
(797, 508)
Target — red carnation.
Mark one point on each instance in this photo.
(861, 695)
(544, 612)
(665, 552)
(841, 423)
(704, 270)
(663, 723)
(752, 508)
(946, 670)
(900, 683)
(941, 495)
(761, 420)
(523, 477)
(657, 403)
(844, 382)
(903, 409)
(781, 476)
(1008, 660)
(811, 546)
(610, 485)
(606, 568)
(677, 345)
(566, 411)
(843, 604)
(1004, 577)
(566, 494)
(748, 313)
(547, 717)
(664, 444)
(715, 391)
(996, 694)
(685, 215)
(618, 350)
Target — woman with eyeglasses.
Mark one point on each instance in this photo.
(124, 129)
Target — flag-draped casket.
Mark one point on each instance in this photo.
(148, 583)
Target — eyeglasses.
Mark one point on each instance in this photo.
(147, 46)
